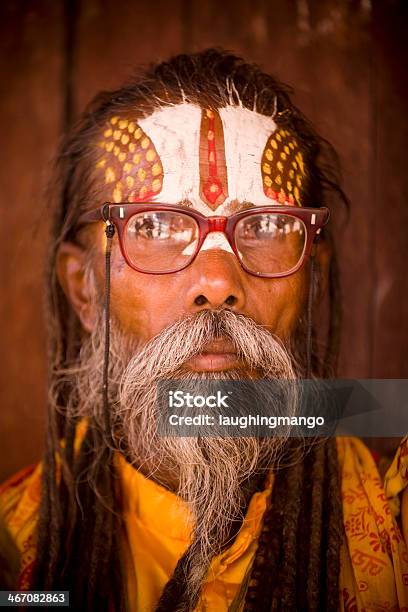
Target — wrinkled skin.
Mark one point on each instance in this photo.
(144, 304)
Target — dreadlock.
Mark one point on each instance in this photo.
(79, 529)
(296, 566)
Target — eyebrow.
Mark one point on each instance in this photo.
(185, 202)
(245, 205)
(236, 206)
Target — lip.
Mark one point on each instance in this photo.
(214, 362)
(217, 356)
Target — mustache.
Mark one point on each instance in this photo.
(168, 351)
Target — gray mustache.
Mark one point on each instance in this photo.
(176, 344)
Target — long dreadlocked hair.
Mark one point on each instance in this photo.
(79, 529)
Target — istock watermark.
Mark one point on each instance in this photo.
(245, 421)
(181, 399)
(233, 408)
(301, 408)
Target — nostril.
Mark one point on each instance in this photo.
(231, 300)
(200, 300)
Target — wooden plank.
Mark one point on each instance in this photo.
(30, 107)
(323, 50)
(114, 38)
(390, 178)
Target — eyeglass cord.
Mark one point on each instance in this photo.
(309, 318)
(110, 232)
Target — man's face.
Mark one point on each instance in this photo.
(217, 163)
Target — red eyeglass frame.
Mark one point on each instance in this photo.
(119, 215)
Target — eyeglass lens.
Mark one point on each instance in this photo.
(164, 241)
(270, 243)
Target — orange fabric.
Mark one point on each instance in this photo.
(374, 556)
(19, 503)
(158, 529)
(374, 559)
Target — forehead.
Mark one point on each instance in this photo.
(211, 159)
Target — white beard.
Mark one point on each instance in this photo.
(209, 473)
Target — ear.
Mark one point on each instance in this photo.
(76, 284)
(323, 258)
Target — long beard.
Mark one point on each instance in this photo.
(213, 475)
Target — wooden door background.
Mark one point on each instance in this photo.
(348, 63)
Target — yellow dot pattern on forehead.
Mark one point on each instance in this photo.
(109, 175)
(283, 168)
(129, 163)
(150, 155)
(156, 169)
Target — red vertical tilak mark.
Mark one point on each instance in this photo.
(213, 170)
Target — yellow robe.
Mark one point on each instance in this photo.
(374, 555)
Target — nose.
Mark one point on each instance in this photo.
(215, 282)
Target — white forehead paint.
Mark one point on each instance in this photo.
(245, 134)
(216, 240)
(175, 133)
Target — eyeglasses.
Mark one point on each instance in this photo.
(269, 241)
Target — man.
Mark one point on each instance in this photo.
(205, 263)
